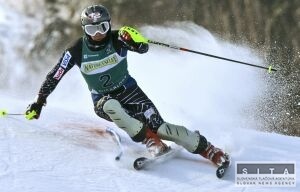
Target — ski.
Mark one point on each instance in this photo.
(145, 162)
(221, 170)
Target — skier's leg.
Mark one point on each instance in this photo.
(191, 141)
(133, 127)
(99, 108)
(139, 106)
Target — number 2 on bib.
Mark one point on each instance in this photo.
(106, 80)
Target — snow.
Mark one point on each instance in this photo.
(67, 149)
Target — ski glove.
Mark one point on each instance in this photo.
(34, 110)
(133, 39)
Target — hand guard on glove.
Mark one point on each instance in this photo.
(34, 110)
(137, 43)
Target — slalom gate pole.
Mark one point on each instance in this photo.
(117, 137)
(209, 55)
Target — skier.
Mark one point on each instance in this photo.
(101, 55)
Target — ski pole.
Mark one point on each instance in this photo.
(29, 116)
(137, 37)
(209, 55)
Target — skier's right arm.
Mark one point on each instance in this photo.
(66, 62)
(133, 40)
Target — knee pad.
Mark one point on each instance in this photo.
(134, 128)
(99, 111)
(98, 108)
(191, 141)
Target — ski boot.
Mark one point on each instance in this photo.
(216, 155)
(154, 144)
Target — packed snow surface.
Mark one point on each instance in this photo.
(68, 150)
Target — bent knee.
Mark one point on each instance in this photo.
(100, 113)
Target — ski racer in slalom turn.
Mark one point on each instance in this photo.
(101, 56)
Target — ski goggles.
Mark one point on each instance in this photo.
(102, 28)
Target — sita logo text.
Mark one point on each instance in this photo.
(267, 174)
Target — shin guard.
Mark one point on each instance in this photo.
(191, 141)
(134, 128)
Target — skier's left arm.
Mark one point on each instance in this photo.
(133, 40)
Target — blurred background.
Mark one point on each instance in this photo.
(270, 27)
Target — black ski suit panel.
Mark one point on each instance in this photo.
(131, 97)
